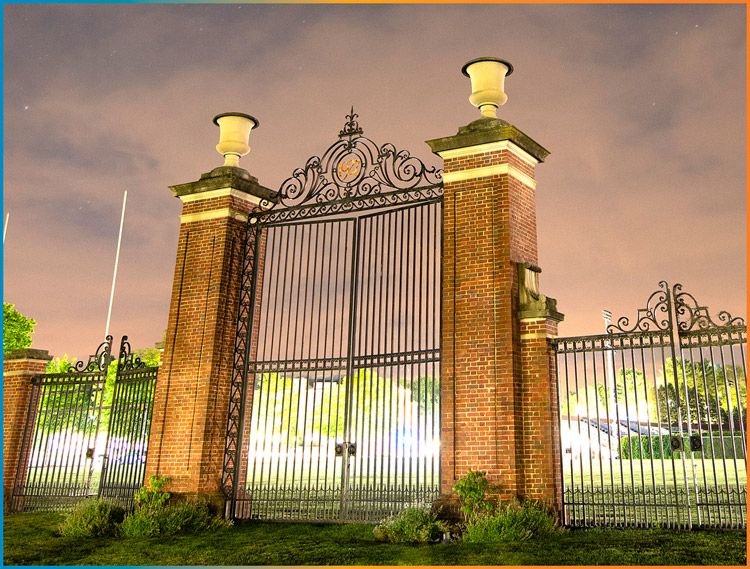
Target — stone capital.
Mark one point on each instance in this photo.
(28, 354)
(487, 130)
(226, 177)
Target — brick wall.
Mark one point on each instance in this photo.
(191, 400)
(540, 462)
(18, 368)
(498, 391)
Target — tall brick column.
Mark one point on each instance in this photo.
(540, 461)
(18, 368)
(495, 368)
(192, 392)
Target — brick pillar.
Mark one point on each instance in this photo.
(191, 400)
(19, 367)
(489, 228)
(540, 461)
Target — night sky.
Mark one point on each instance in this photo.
(643, 108)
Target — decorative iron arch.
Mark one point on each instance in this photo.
(689, 316)
(353, 174)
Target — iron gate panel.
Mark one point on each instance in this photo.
(124, 459)
(334, 411)
(70, 421)
(653, 419)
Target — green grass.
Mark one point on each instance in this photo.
(32, 539)
(650, 473)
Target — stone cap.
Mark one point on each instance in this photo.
(485, 130)
(28, 354)
(226, 177)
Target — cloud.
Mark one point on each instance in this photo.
(646, 179)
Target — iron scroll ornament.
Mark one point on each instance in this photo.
(657, 316)
(127, 360)
(692, 316)
(98, 361)
(354, 173)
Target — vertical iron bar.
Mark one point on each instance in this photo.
(261, 380)
(287, 258)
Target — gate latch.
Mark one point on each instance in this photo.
(676, 442)
(348, 448)
(696, 443)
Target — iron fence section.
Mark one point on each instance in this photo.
(82, 435)
(653, 419)
(124, 459)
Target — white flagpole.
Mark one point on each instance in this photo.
(5, 230)
(117, 258)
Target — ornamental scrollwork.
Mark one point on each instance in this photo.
(692, 316)
(354, 167)
(99, 361)
(127, 360)
(655, 317)
(689, 316)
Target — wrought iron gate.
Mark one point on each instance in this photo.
(654, 419)
(84, 437)
(335, 406)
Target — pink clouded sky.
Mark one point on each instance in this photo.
(643, 108)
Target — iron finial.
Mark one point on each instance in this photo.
(351, 128)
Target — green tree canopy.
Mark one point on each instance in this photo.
(17, 329)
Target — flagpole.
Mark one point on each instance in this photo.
(117, 258)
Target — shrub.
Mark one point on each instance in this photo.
(513, 522)
(154, 517)
(414, 525)
(152, 497)
(93, 518)
(645, 446)
(184, 517)
(472, 490)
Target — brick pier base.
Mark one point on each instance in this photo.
(498, 388)
(19, 367)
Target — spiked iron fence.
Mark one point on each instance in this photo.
(654, 419)
(84, 437)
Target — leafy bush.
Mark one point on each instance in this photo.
(645, 446)
(472, 491)
(152, 497)
(414, 525)
(93, 518)
(184, 517)
(513, 522)
(154, 517)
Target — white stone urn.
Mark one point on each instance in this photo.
(487, 76)
(234, 136)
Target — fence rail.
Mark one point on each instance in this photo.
(653, 419)
(86, 435)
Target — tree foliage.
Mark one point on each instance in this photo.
(17, 329)
(682, 390)
(74, 404)
(294, 411)
(715, 394)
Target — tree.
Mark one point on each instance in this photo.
(700, 383)
(16, 329)
(65, 409)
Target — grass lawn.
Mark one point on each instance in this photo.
(32, 539)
